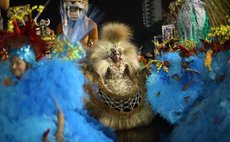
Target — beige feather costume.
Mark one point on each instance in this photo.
(117, 101)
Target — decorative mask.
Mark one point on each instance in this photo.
(43, 30)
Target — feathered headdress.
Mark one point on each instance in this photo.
(115, 36)
(24, 39)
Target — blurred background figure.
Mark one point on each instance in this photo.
(72, 12)
(4, 4)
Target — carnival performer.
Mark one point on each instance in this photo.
(47, 93)
(74, 11)
(118, 99)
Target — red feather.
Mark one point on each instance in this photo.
(216, 47)
(29, 30)
(45, 135)
(17, 30)
(184, 52)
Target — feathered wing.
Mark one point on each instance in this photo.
(99, 58)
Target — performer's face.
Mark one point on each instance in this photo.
(116, 56)
(18, 67)
(75, 9)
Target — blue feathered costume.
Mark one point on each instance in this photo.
(209, 119)
(172, 92)
(29, 107)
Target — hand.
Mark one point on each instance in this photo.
(59, 137)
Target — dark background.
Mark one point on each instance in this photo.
(126, 11)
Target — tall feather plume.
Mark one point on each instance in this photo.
(116, 32)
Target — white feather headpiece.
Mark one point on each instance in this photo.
(114, 36)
